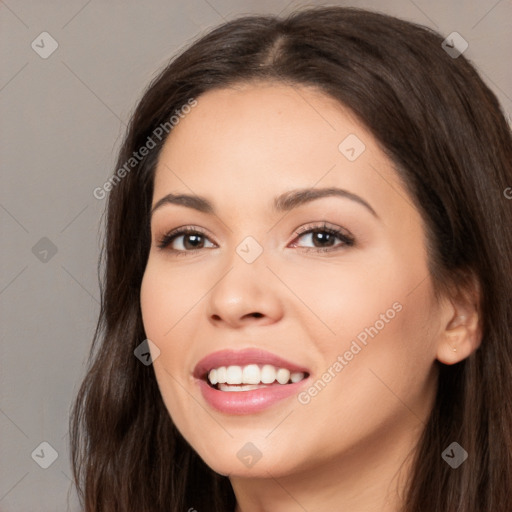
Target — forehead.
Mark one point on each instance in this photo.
(267, 111)
(270, 137)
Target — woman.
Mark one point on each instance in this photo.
(308, 236)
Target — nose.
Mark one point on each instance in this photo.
(246, 295)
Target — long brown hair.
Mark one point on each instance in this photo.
(451, 145)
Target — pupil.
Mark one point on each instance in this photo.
(193, 241)
(323, 238)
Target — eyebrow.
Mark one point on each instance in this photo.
(285, 202)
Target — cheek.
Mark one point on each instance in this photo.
(164, 301)
(340, 301)
(377, 373)
(394, 356)
(166, 297)
(377, 314)
(156, 302)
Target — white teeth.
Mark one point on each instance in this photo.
(221, 375)
(268, 374)
(212, 376)
(251, 376)
(295, 377)
(243, 387)
(283, 376)
(234, 375)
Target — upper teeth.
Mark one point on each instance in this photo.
(252, 374)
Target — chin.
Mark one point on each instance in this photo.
(248, 460)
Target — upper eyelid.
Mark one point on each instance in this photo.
(182, 230)
(319, 225)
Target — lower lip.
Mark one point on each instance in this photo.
(247, 402)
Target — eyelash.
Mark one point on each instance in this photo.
(346, 239)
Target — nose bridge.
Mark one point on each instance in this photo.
(245, 289)
(250, 250)
(246, 272)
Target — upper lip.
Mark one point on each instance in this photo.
(241, 358)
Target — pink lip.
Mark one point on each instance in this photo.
(245, 402)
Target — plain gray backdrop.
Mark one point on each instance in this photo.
(62, 116)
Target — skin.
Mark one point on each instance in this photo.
(348, 448)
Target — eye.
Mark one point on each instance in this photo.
(323, 238)
(320, 238)
(185, 239)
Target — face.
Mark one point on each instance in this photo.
(304, 260)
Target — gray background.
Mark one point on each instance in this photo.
(61, 121)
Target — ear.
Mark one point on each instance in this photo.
(462, 331)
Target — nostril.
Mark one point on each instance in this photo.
(257, 315)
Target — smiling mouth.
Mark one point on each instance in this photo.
(250, 377)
